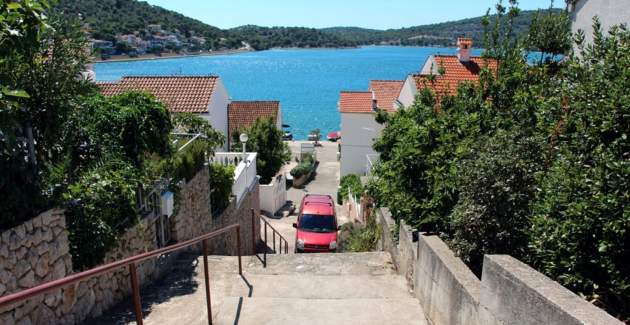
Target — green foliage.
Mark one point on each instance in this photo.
(531, 162)
(548, 34)
(580, 232)
(265, 138)
(362, 239)
(189, 161)
(497, 182)
(305, 166)
(194, 124)
(263, 38)
(221, 181)
(350, 183)
(100, 205)
(132, 124)
(441, 34)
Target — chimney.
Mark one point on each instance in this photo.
(374, 103)
(463, 52)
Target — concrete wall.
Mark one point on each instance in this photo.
(273, 196)
(510, 292)
(610, 13)
(514, 293)
(358, 134)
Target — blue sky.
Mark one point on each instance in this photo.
(380, 14)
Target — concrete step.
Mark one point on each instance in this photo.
(373, 263)
(259, 311)
(307, 286)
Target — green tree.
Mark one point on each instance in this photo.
(265, 138)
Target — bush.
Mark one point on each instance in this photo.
(496, 184)
(350, 183)
(304, 167)
(101, 204)
(189, 161)
(221, 181)
(362, 239)
(266, 139)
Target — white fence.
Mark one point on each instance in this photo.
(244, 173)
(354, 206)
(273, 195)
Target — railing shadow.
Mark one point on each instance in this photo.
(179, 281)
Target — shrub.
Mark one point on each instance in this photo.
(350, 183)
(189, 161)
(266, 139)
(362, 239)
(304, 167)
(101, 204)
(497, 183)
(221, 181)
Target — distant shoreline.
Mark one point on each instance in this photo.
(149, 57)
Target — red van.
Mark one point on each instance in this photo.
(316, 225)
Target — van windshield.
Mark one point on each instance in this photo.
(318, 223)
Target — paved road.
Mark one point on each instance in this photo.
(325, 181)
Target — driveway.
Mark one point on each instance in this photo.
(325, 181)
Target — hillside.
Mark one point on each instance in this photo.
(107, 19)
(444, 34)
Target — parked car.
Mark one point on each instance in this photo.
(334, 136)
(286, 133)
(316, 227)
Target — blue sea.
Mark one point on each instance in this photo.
(307, 82)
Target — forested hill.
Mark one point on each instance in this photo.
(108, 18)
(444, 34)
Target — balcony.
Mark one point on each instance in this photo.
(244, 172)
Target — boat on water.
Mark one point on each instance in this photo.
(286, 132)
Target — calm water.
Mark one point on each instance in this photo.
(307, 82)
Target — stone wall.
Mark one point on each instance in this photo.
(194, 217)
(38, 251)
(510, 292)
(32, 253)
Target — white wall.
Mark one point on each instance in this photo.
(408, 92)
(273, 195)
(610, 13)
(358, 134)
(218, 109)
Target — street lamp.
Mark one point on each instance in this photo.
(244, 139)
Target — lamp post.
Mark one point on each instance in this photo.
(244, 139)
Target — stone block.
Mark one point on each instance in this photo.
(42, 265)
(27, 280)
(21, 268)
(20, 231)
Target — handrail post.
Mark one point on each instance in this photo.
(286, 247)
(254, 232)
(266, 246)
(273, 233)
(135, 288)
(238, 247)
(206, 274)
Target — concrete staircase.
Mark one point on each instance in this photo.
(360, 288)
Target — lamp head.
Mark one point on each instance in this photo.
(243, 137)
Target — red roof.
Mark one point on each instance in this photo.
(386, 93)
(242, 114)
(455, 72)
(179, 94)
(355, 102)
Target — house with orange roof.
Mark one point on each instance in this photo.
(242, 114)
(444, 73)
(358, 125)
(203, 95)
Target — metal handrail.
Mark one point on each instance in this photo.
(131, 263)
(281, 239)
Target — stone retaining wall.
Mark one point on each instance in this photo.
(38, 251)
(510, 292)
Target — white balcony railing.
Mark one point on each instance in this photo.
(244, 171)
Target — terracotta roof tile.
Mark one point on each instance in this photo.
(454, 73)
(179, 94)
(355, 102)
(242, 114)
(386, 93)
